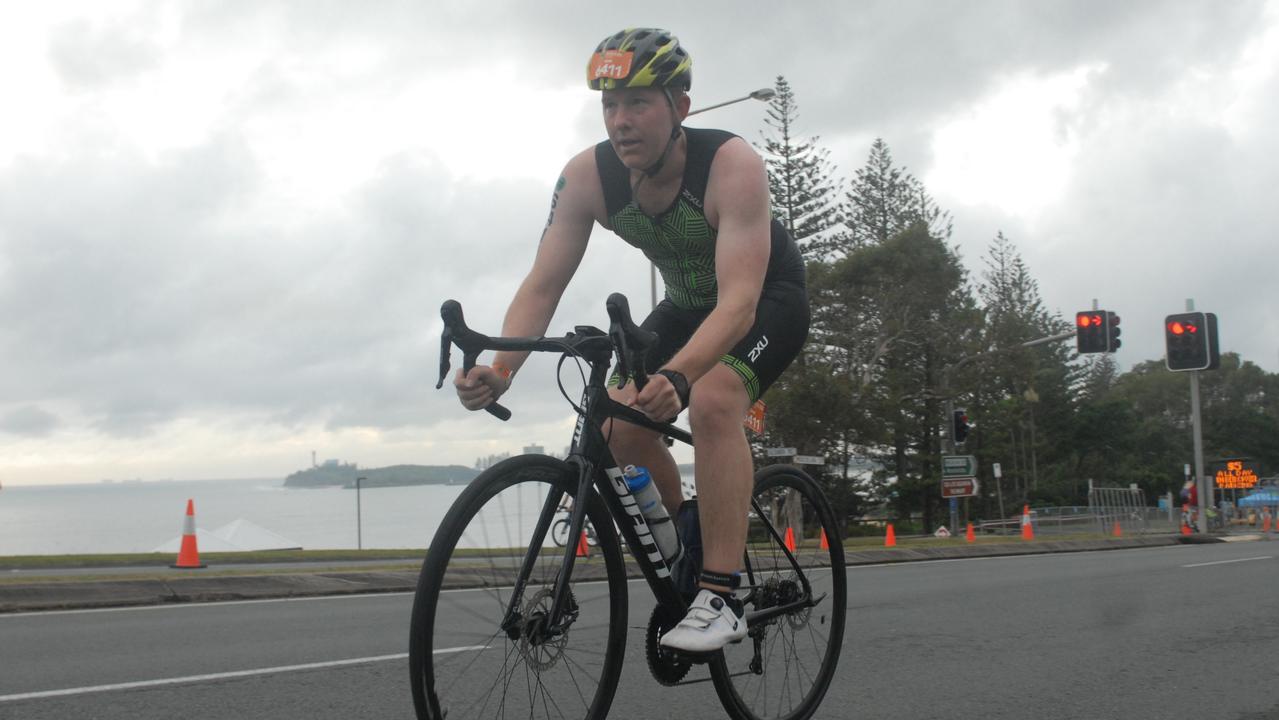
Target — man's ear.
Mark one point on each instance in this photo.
(682, 104)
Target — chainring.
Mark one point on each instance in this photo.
(666, 666)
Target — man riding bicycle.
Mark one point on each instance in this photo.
(735, 312)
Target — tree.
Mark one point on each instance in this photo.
(885, 200)
(801, 178)
(1020, 395)
(896, 313)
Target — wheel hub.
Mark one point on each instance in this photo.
(540, 647)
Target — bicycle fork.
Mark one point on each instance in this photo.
(563, 610)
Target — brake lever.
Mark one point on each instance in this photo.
(446, 339)
(622, 327)
(456, 332)
(618, 338)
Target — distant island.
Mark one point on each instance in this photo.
(336, 474)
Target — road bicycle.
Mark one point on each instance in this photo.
(505, 624)
(560, 528)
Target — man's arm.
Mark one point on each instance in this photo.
(737, 202)
(577, 201)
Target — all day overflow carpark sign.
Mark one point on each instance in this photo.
(958, 476)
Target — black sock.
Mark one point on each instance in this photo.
(724, 579)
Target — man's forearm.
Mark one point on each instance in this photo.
(528, 316)
(717, 334)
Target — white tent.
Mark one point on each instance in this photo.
(236, 536)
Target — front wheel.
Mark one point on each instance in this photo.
(474, 652)
(794, 558)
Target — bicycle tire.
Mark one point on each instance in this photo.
(559, 532)
(462, 664)
(798, 651)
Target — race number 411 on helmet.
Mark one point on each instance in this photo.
(640, 57)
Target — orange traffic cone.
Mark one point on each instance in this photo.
(824, 544)
(790, 539)
(968, 534)
(890, 540)
(188, 554)
(1027, 530)
(1118, 531)
(583, 547)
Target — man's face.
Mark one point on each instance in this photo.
(639, 124)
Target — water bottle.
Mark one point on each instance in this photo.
(650, 505)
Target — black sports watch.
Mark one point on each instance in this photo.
(679, 382)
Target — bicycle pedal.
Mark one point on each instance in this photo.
(694, 658)
(699, 658)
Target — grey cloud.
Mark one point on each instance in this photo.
(139, 289)
(89, 54)
(29, 420)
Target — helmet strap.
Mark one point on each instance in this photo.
(670, 143)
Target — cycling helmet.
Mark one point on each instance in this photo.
(640, 57)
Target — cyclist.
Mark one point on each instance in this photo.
(735, 314)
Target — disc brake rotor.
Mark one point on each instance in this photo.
(538, 649)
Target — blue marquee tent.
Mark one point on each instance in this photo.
(1261, 498)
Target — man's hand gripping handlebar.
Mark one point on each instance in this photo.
(471, 344)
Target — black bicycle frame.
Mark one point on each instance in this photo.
(590, 455)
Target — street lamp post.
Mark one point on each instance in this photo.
(763, 95)
(359, 530)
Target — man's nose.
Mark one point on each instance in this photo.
(622, 120)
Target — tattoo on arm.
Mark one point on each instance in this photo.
(555, 199)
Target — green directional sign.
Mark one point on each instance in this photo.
(958, 466)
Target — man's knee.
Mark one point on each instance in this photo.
(719, 402)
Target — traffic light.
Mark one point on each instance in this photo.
(960, 427)
(1112, 332)
(1096, 331)
(1214, 353)
(1090, 331)
(1191, 341)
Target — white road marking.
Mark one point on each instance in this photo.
(221, 676)
(1225, 562)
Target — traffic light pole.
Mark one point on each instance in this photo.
(1196, 423)
(1205, 488)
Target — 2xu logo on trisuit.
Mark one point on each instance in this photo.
(615, 64)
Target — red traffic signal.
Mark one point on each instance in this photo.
(1191, 341)
(1096, 331)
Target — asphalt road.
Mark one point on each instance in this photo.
(1177, 632)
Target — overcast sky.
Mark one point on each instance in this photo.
(226, 227)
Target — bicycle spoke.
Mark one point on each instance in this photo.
(796, 659)
(528, 670)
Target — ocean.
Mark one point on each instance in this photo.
(129, 517)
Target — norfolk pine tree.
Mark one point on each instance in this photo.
(801, 178)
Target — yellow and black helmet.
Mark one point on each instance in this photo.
(640, 57)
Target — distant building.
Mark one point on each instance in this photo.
(534, 450)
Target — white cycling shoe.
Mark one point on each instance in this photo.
(709, 625)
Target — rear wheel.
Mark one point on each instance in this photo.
(794, 556)
(465, 662)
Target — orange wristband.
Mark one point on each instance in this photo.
(502, 370)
